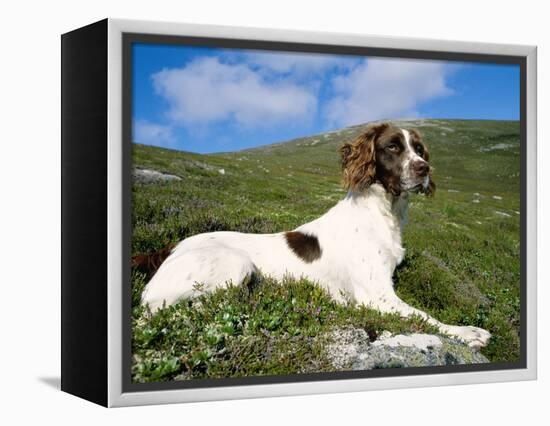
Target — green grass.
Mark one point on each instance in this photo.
(461, 266)
(272, 328)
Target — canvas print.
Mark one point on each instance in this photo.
(297, 213)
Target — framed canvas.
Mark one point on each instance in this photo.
(252, 212)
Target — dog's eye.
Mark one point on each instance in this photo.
(392, 147)
(419, 149)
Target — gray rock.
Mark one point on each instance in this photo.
(152, 176)
(503, 214)
(497, 147)
(351, 349)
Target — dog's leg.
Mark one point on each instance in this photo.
(475, 337)
(190, 273)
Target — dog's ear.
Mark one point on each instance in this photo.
(359, 158)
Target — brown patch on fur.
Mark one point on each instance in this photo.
(416, 138)
(389, 165)
(150, 262)
(306, 247)
(359, 159)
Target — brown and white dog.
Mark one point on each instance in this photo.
(352, 250)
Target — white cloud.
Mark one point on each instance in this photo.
(257, 90)
(148, 133)
(298, 65)
(385, 88)
(207, 91)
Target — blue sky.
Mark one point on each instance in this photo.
(210, 100)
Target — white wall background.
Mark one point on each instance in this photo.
(30, 209)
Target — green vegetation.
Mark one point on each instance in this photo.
(267, 328)
(462, 262)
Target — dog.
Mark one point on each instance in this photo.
(352, 250)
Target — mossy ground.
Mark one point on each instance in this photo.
(462, 262)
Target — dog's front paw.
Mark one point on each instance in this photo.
(475, 337)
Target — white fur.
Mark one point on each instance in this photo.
(360, 239)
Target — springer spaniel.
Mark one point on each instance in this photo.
(352, 250)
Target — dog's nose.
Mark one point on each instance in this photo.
(421, 168)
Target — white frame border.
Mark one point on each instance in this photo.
(115, 396)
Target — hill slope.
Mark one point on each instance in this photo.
(462, 262)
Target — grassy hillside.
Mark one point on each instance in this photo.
(462, 262)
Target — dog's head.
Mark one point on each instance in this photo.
(396, 158)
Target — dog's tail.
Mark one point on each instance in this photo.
(149, 263)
